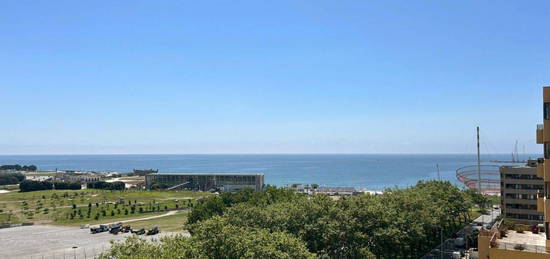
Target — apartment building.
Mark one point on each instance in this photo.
(519, 187)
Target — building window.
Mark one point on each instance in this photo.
(546, 151)
(525, 186)
(547, 111)
(521, 176)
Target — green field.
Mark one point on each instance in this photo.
(171, 223)
(10, 187)
(90, 206)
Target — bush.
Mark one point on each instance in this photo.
(519, 247)
(67, 186)
(29, 186)
(215, 239)
(159, 186)
(106, 186)
(521, 228)
(16, 167)
(11, 178)
(508, 225)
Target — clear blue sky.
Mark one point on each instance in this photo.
(271, 76)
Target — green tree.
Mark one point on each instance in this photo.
(215, 239)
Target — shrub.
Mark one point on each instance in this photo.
(519, 247)
(508, 225)
(17, 167)
(68, 186)
(521, 228)
(29, 186)
(106, 186)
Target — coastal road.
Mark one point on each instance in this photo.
(448, 245)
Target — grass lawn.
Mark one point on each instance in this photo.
(493, 199)
(89, 206)
(78, 222)
(171, 223)
(10, 187)
(474, 213)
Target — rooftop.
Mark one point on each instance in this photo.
(527, 240)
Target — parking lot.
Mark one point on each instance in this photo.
(42, 241)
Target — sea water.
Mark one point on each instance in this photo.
(369, 171)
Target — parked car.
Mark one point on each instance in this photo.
(126, 229)
(535, 229)
(99, 229)
(115, 229)
(141, 231)
(153, 231)
(459, 242)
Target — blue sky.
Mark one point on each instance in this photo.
(87, 77)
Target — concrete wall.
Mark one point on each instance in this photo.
(483, 244)
(515, 254)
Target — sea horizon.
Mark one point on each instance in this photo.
(363, 171)
(114, 154)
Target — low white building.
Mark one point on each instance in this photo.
(81, 177)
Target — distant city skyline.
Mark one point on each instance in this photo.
(227, 77)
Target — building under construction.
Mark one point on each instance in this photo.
(206, 181)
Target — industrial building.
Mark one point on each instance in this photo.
(519, 186)
(206, 181)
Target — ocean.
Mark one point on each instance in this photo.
(368, 171)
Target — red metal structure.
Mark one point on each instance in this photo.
(483, 178)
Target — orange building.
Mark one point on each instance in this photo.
(496, 243)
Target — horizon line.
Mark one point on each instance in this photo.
(321, 153)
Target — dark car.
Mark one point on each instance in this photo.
(101, 228)
(153, 231)
(141, 231)
(126, 229)
(115, 229)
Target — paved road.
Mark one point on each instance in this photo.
(42, 241)
(448, 245)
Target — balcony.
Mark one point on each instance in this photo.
(540, 170)
(540, 134)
